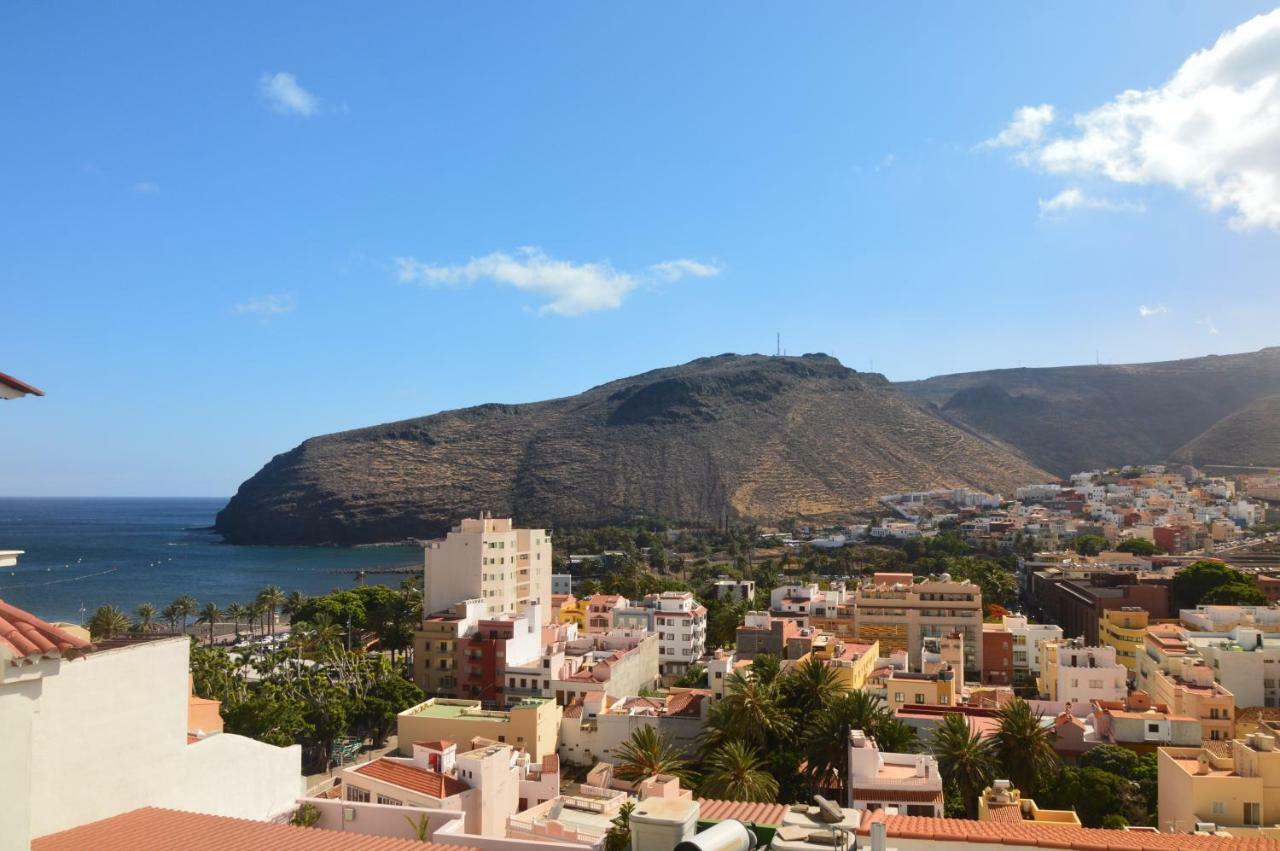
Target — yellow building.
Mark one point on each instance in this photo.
(566, 608)
(852, 663)
(1239, 793)
(901, 688)
(533, 724)
(1004, 803)
(1124, 629)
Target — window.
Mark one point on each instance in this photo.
(919, 697)
(383, 799)
(1219, 808)
(1253, 814)
(355, 793)
(897, 697)
(1153, 728)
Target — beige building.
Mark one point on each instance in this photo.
(1239, 793)
(899, 612)
(1003, 803)
(533, 724)
(900, 688)
(489, 560)
(1173, 673)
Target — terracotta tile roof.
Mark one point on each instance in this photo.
(903, 796)
(1007, 813)
(1045, 835)
(713, 810)
(151, 829)
(28, 638)
(686, 704)
(431, 783)
(573, 710)
(436, 744)
(20, 386)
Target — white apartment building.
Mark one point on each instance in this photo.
(1027, 639)
(1075, 673)
(1245, 661)
(1223, 619)
(488, 559)
(681, 624)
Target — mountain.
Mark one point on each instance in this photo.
(739, 438)
(1250, 437)
(1073, 418)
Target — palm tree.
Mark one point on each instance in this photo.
(210, 614)
(826, 743)
(170, 615)
(186, 608)
(619, 836)
(750, 712)
(237, 612)
(648, 752)
(1024, 747)
(256, 610)
(893, 736)
(735, 772)
(810, 686)
(107, 622)
(271, 597)
(967, 761)
(319, 633)
(293, 603)
(146, 621)
(420, 827)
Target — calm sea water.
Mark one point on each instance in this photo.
(87, 552)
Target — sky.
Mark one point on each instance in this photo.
(225, 228)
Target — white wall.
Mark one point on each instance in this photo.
(109, 735)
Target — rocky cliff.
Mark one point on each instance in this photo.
(738, 438)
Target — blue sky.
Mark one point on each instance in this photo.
(226, 231)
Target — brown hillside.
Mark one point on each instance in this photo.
(743, 438)
(1248, 438)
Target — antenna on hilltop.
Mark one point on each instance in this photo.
(778, 353)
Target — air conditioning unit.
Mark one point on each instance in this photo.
(1206, 827)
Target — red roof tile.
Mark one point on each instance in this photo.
(1045, 835)
(436, 744)
(710, 809)
(151, 829)
(431, 783)
(20, 386)
(904, 796)
(27, 637)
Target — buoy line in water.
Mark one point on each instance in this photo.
(59, 581)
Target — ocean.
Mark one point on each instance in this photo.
(83, 553)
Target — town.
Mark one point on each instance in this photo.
(1085, 663)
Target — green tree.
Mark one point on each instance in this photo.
(1096, 795)
(1138, 547)
(1024, 747)
(966, 760)
(750, 712)
(809, 686)
(765, 668)
(107, 622)
(170, 614)
(210, 614)
(1234, 594)
(186, 607)
(146, 618)
(619, 836)
(1090, 545)
(997, 582)
(237, 612)
(271, 597)
(421, 827)
(735, 772)
(1110, 758)
(647, 752)
(826, 737)
(694, 677)
(1191, 584)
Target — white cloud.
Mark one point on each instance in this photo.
(674, 270)
(1208, 325)
(282, 91)
(1074, 199)
(1026, 128)
(1155, 310)
(146, 187)
(274, 304)
(1212, 130)
(571, 289)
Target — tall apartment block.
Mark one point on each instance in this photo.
(489, 560)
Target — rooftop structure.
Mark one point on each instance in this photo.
(910, 783)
